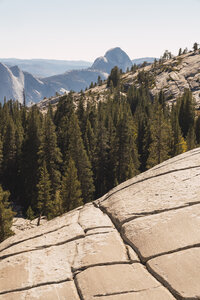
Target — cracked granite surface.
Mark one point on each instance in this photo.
(139, 241)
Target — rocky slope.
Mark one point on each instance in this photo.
(140, 241)
(173, 76)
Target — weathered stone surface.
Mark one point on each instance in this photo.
(180, 271)
(54, 225)
(158, 293)
(35, 268)
(62, 291)
(57, 237)
(91, 217)
(165, 232)
(140, 241)
(99, 249)
(20, 224)
(161, 188)
(96, 282)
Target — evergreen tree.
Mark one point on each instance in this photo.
(30, 213)
(114, 77)
(81, 114)
(45, 204)
(77, 152)
(143, 140)
(71, 188)
(191, 139)
(178, 143)
(197, 129)
(9, 154)
(195, 46)
(6, 216)
(186, 112)
(58, 204)
(29, 159)
(50, 153)
(127, 154)
(89, 141)
(160, 138)
(112, 179)
(101, 159)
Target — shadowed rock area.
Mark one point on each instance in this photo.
(140, 241)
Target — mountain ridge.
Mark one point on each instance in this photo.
(38, 88)
(161, 77)
(45, 67)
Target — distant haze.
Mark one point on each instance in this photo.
(45, 67)
(83, 30)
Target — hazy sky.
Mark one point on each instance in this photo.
(85, 29)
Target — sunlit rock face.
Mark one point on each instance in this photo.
(113, 57)
(139, 241)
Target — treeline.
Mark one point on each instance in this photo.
(55, 162)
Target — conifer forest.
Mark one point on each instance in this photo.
(56, 161)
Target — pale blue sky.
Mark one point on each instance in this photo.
(85, 29)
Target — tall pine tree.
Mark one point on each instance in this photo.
(71, 188)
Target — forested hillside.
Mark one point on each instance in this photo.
(51, 163)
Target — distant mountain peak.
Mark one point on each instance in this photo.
(113, 57)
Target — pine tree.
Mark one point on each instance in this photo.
(178, 143)
(58, 204)
(114, 77)
(89, 141)
(6, 215)
(71, 188)
(81, 114)
(101, 159)
(112, 179)
(186, 112)
(9, 154)
(143, 139)
(77, 152)
(160, 132)
(29, 159)
(30, 213)
(50, 153)
(127, 154)
(195, 46)
(191, 139)
(45, 204)
(197, 130)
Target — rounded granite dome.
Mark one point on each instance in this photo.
(113, 57)
(139, 241)
(118, 57)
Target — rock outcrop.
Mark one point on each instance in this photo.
(113, 57)
(181, 73)
(140, 241)
(174, 76)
